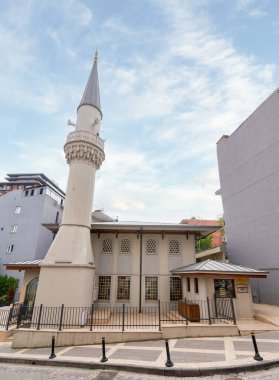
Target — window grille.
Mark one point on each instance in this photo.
(174, 247)
(104, 288)
(196, 285)
(18, 210)
(175, 289)
(151, 288)
(13, 228)
(151, 247)
(10, 248)
(125, 246)
(188, 284)
(107, 245)
(123, 288)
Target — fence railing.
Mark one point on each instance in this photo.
(122, 317)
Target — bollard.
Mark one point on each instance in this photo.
(52, 355)
(104, 358)
(169, 363)
(257, 356)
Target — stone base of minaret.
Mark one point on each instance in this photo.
(70, 280)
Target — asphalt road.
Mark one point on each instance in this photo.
(27, 372)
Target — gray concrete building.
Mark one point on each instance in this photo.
(248, 162)
(27, 201)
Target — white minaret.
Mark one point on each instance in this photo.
(67, 272)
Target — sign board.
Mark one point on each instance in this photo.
(242, 288)
(241, 281)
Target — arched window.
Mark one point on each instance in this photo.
(174, 247)
(30, 294)
(107, 245)
(151, 247)
(125, 246)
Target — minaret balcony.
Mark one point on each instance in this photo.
(84, 146)
(86, 137)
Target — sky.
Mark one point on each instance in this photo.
(175, 75)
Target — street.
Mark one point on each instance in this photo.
(28, 372)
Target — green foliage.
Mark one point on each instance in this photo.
(204, 244)
(8, 287)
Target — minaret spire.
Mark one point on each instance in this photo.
(91, 95)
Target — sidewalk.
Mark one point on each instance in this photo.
(191, 357)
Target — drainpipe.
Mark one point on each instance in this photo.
(140, 274)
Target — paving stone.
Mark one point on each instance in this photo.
(268, 335)
(87, 352)
(200, 344)
(195, 357)
(43, 351)
(153, 343)
(125, 353)
(262, 346)
(8, 350)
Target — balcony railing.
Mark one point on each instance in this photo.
(86, 136)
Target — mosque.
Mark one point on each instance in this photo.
(114, 262)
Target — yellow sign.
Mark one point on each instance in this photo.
(241, 281)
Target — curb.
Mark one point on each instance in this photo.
(162, 371)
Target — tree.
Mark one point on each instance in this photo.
(8, 287)
(204, 243)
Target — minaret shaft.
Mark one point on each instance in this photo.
(67, 272)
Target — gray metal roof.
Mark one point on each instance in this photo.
(211, 266)
(25, 263)
(91, 95)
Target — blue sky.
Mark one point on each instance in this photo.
(174, 77)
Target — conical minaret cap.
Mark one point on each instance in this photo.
(91, 95)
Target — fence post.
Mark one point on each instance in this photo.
(61, 317)
(159, 313)
(91, 316)
(208, 310)
(233, 312)
(10, 316)
(40, 314)
(19, 316)
(186, 311)
(215, 306)
(123, 316)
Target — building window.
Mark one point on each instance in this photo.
(32, 192)
(104, 288)
(151, 247)
(175, 289)
(123, 288)
(151, 288)
(174, 247)
(196, 285)
(18, 210)
(107, 245)
(188, 284)
(26, 193)
(57, 217)
(125, 246)
(41, 191)
(224, 288)
(10, 248)
(13, 228)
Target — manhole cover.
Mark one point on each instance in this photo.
(105, 375)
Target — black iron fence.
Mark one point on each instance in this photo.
(122, 317)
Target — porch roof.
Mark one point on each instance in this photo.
(211, 267)
(146, 227)
(23, 265)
